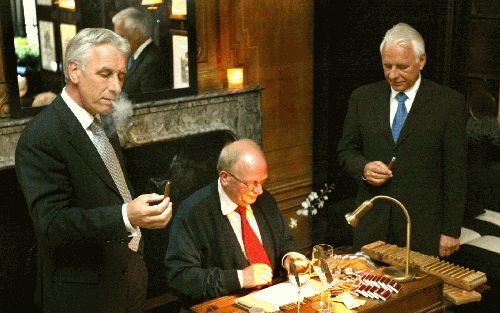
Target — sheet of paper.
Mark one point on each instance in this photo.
(271, 298)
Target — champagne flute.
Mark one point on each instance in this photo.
(298, 277)
(322, 261)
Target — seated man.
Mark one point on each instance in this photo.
(230, 234)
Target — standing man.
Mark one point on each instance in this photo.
(230, 234)
(147, 70)
(420, 123)
(86, 223)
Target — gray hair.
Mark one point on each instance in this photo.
(135, 21)
(404, 35)
(233, 151)
(79, 46)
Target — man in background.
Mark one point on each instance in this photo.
(147, 70)
(86, 223)
(230, 234)
(420, 123)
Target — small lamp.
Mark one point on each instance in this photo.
(179, 7)
(235, 77)
(66, 4)
(151, 2)
(396, 272)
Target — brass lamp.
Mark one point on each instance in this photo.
(396, 272)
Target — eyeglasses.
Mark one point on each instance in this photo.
(250, 185)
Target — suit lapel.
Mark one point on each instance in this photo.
(82, 144)
(382, 110)
(420, 108)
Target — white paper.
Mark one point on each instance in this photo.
(271, 298)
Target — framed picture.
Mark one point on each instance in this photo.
(47, 45)
(44, 2)
(68, 31)
(180, 60)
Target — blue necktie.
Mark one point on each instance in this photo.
(131, 62)
(400, 117)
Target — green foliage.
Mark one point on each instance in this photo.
(24, 49)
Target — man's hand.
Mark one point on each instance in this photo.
(448, 245)
(301, 262)
(141, 213)
(376, 173)
(256, 275)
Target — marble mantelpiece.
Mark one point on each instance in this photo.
(234, 111)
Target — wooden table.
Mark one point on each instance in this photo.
(422, 295)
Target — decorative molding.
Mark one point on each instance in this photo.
(10, 131)
(4, 100)
(237, 113)
(290, 193)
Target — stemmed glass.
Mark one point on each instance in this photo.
(298, 277)
(326, 266)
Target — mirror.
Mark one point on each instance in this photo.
(40, 29)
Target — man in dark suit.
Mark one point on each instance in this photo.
(428, 176)
(212, 253)
(147, 69)
(86, 223)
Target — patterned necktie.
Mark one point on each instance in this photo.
(400, 117)
(108, 155)
(253, 247)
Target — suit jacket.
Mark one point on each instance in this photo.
(203, 256)
(429, 175)
(83, 258)
(149, 72)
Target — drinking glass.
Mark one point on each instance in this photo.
(303, 276)
(325, 264)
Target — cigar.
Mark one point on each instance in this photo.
(168, 183)
(391, 163)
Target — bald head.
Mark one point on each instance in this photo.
(244, 150)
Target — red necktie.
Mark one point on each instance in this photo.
(253, 247)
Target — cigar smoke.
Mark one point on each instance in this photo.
(122, 111)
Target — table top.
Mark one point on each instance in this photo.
(422, 295)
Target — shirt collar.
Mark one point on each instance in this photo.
(226, 204)
(84, 117)
(411, 92)
(141, 47)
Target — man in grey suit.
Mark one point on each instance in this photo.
(147, 69)
(86, 223)
(420, 123)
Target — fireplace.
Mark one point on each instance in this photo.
(176, 139)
